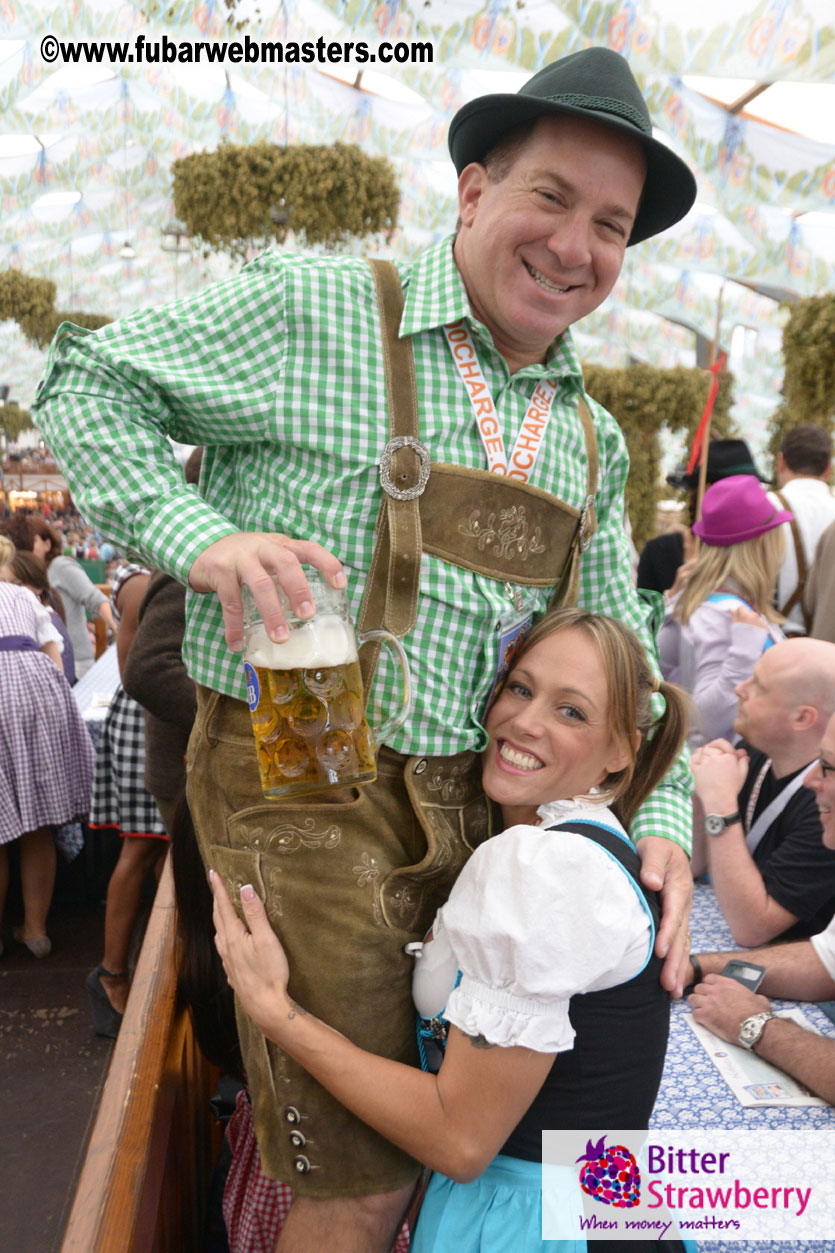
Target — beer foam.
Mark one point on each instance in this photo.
(326, 640)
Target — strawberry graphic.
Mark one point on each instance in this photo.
(610, 1175)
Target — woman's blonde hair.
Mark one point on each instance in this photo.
(749, 568)
(7, 550)
(631, 685)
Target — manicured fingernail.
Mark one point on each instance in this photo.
(280, 635)
(247, 892)
(307, 609)
(211, 874)
(339, 580)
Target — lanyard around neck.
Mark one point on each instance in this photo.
(754, 831)
(529, 441)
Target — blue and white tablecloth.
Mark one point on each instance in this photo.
(694, 1094)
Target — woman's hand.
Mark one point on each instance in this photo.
(748, 617)
(254, 961)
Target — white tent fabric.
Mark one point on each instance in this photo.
(107, 137)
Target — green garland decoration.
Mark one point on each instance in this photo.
(643, 399)
(30, 302)
(90, 321)
(809, 378)
(240, 196)
(13, 420)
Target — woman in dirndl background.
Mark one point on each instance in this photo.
(122, 804)
(46, 757)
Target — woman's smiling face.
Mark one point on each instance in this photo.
(550, 735)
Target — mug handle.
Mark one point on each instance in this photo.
(396, 720)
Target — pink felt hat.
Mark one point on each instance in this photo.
(736, 509)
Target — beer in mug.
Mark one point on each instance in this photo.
(306, 697)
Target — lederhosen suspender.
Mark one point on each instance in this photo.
(451, 511)
(796, 597)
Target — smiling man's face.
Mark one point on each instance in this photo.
(544, 246)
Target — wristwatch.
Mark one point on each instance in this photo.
(752, 1028)
(715, 824)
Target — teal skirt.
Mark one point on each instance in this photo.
(501, 1212)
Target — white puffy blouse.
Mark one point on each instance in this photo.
(535, 917)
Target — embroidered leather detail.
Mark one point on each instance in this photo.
(507, 539)
(452, 785)
(402, 901)
(368, 872)
(272, 885)
(286, 837)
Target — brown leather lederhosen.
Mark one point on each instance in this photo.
(350, 877)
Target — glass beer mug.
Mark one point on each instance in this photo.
(305, 696)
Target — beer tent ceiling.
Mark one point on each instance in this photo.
(86, 151)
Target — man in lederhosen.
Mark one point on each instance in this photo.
(501, 486)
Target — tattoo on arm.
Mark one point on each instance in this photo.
(296, 1010)
(478, 1041)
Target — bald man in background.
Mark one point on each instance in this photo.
(762, 830)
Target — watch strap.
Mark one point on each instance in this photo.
(711, 822)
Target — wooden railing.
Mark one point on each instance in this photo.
(146, 1172)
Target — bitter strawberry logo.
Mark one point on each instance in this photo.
(610, 1175)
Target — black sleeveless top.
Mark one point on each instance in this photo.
(611, 1076)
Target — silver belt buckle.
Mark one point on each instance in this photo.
(406, 493)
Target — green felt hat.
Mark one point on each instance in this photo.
(596, 84)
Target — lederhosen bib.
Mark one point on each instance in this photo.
(449, 511)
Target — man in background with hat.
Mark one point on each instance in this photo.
(663, 556)
(281, 374)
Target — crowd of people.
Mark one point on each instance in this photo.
(353, 418)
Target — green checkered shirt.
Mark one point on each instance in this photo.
(278, 373)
